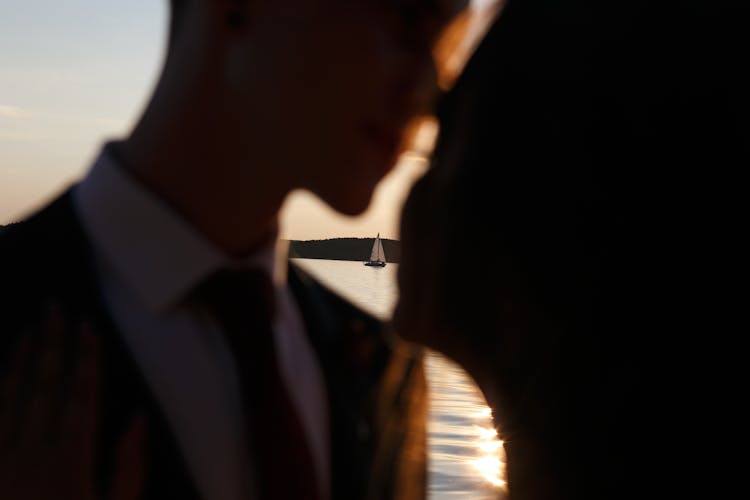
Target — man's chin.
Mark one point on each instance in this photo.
(352, 208)
(352, 202)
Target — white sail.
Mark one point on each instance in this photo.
(381, 252)
(377, 254)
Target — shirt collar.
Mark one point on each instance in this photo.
(150, 247)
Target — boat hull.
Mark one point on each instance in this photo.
(375, 264)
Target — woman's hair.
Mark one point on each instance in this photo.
(569, 136)
(586, 143)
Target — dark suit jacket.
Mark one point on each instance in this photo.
(375, 383)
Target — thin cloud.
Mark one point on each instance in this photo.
(12, 112)
(13, 136)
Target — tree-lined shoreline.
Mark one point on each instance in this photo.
(352, 249)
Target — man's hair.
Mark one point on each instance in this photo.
(178, 9)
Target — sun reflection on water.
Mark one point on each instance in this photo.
(489, 464)
(465, 451)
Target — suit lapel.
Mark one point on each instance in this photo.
(377, 396)
(57, 265)
(351, 366)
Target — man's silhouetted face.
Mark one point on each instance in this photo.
(327, 87)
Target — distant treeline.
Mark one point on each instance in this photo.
(343, 249)
(335, 248)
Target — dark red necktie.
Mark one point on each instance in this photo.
(243, 304)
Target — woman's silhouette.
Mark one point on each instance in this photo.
(557, 246)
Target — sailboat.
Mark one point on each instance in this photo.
(377, 256)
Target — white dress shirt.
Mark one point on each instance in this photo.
(149, 259)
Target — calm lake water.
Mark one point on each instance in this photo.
(465, 457)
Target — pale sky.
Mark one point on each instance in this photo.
(74, 73)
